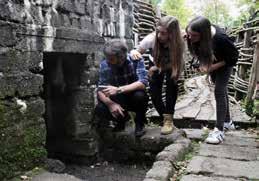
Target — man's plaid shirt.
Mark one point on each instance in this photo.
(131, 71)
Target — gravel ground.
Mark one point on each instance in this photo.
(108, 172)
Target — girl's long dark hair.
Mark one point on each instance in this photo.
(202, 49)
(175, 43)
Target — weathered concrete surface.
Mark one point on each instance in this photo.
(240, 141)
(125, 146)
(242, 133)
(195, 134)
(107, 171)
(47, 176)
(229, 151)
(161, 170)
(102, 171)
(224, 167)
(236, 158)
(204, 178)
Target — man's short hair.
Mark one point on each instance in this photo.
(116, 48)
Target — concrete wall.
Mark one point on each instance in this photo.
(31, 31)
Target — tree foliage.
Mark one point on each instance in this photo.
(220, 12)
(155, 2)
(247, 9)
(178, 9)
(217, 12)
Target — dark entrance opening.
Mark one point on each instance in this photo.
(62, 78)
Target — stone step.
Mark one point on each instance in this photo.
(192, 177)
(237, 158)
(125, 146)
(230, 152)
(223, 167)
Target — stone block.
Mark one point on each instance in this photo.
(90, 77)
(80, 7)
(8, 35)
(86, 23)
(75, 20)
(56, 20)
(65, 21)
(161, 170)
(75, 46)
(173, 152)
(13, 60)
(194, 134)
(65, 6)
(12, 11)
(84, 96)
(20, 84)
(31, 43)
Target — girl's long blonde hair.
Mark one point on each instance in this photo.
(175, 45)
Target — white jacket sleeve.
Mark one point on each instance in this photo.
(147, 42)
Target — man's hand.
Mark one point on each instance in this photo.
(110, 90)
(135, 55)
(116, 110)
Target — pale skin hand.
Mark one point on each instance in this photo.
(114, 108)
(213, 67)
(110, 90)
(136, 54)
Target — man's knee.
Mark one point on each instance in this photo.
(140, 97)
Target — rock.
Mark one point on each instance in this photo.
(56, 166)
(161, 170)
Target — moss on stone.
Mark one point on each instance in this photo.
(22, 139)
(256, 107)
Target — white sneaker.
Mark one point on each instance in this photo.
(229, 126)
(215, 137)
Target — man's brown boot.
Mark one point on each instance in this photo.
(168, 125)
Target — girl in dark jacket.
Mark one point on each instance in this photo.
(217, 55)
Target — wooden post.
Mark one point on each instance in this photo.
(257, 65)
(256, 103)
(254, 77)
(243, 69)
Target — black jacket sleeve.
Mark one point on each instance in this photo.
(227, 50)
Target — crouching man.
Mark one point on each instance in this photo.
(121, 87)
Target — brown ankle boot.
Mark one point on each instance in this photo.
(168, 125)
